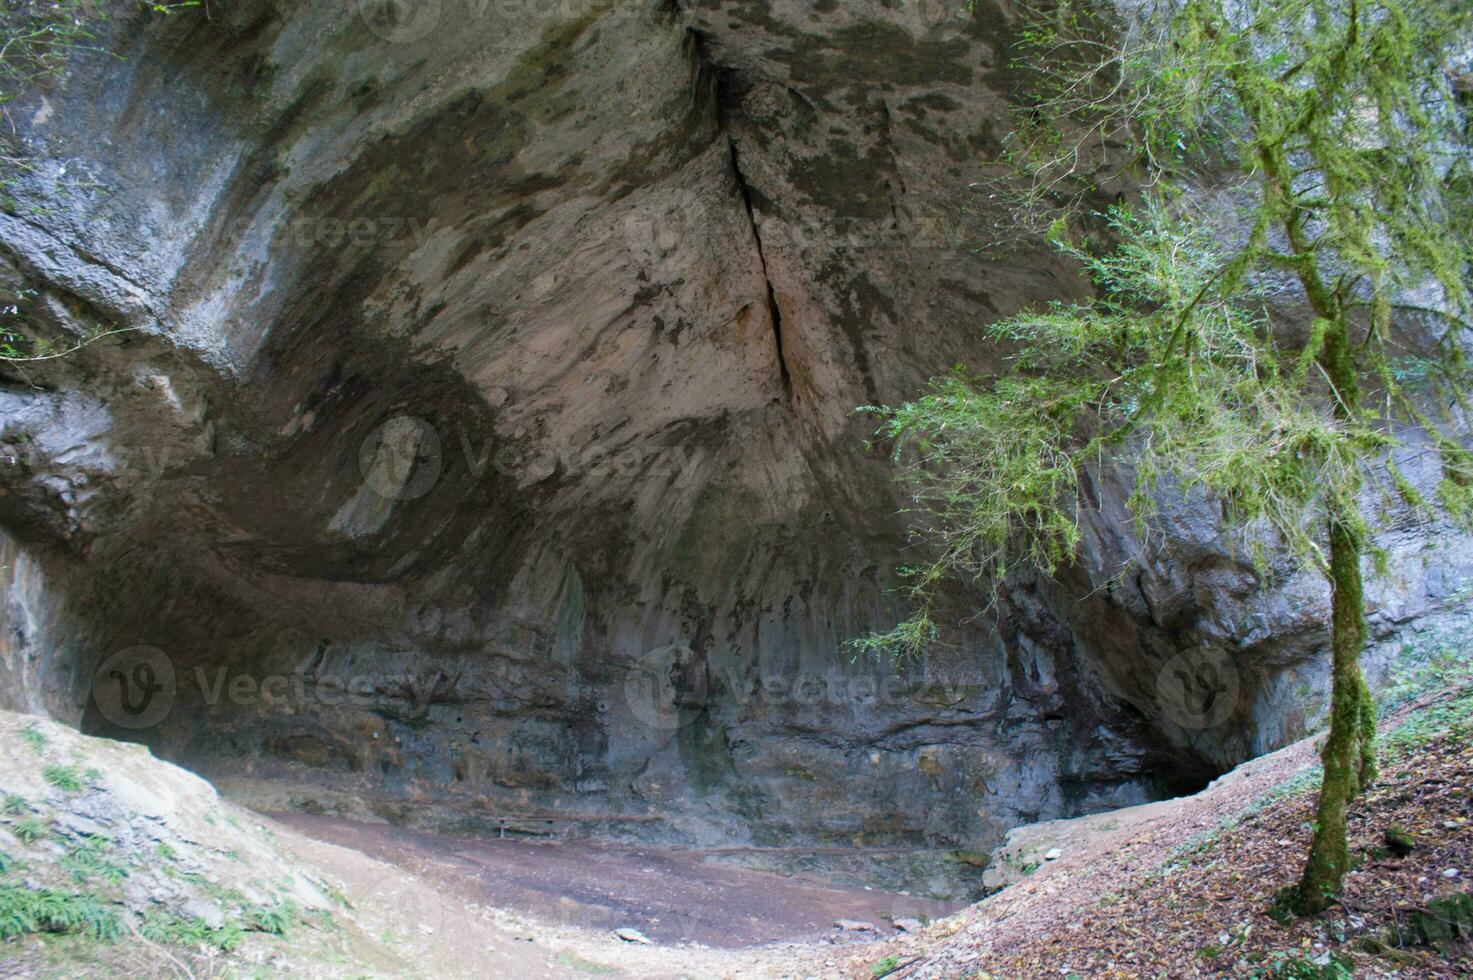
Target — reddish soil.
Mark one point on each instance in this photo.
(671, 896)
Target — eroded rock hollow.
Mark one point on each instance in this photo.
(481, 451)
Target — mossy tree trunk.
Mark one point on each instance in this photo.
(1348, 756)
(1346, 746)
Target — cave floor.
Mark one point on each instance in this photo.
(671, 896)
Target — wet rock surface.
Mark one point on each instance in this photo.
(482, 448)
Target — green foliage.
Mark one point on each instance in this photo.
(1426, 662)
(37, 38)
(30, 830)
(884, 967)
(29, 910)
(18, 346)
(1443, 923)
(1351, 148)
(68, 779)
(999, 466)
(1450, 717)
(1353, 151)
(33, 737)
(1288, 966)
(272, 919)
(989, 479)
(14, 803)
(1399, 841)
(88, 860)
(174, 930)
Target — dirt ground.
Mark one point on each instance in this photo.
(668, 895)
(1180, 888)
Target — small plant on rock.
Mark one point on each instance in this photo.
(68, 779)
(30, 910)
(30, 830)
(33, 737)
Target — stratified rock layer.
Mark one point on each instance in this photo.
(483, 445)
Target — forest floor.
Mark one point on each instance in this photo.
(1184, 888)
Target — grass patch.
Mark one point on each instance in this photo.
(68, 779)
(30, 910)
(272, 919)
(30, 830)
(1452, 718)
(14, 803)
(33, 737)
(87, 861)
(885, 967)
(1426, 663)
(175, 930)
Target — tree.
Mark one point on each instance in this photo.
(1315, 147)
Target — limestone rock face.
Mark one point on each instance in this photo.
(482, 445)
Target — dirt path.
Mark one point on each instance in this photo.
(670, 896)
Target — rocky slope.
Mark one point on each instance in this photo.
(482, 449)
(113, 863)
(1185, 887)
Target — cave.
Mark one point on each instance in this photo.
(478, 448)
